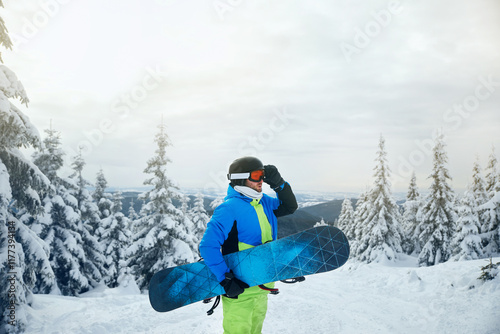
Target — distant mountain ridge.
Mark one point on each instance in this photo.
(305, 217)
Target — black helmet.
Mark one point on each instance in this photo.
(241, 166)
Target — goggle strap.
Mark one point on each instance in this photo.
(238, 176)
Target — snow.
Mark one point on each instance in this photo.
(307, 204)
(5, 190)
(10, 85)
(357, 298)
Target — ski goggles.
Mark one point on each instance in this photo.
(254, 176)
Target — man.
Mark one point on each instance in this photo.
(245, 219)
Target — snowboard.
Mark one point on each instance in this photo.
(315, 250)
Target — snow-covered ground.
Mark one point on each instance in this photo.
(357, 298)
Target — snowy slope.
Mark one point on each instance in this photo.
(356, 298)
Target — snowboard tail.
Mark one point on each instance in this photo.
(316, 250)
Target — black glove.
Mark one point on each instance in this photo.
(233, 286)
(272, 177)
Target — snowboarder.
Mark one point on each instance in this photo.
(245, 219)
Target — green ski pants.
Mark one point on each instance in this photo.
(246, 314)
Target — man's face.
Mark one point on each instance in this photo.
(257, 186)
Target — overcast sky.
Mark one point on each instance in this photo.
(306, 85)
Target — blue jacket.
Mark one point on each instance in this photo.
(235, 221)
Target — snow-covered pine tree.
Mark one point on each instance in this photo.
(115, 240)
(353, 232)
(144, 208)
(161, 240)
(41, 279)
(116, 202)
(60, 228)
(16, 131)
(491, 225)
(101, 198)
(438, 218)
(88, 209)
(381, 232)
(411, 218)
(60, 225)
(5, 40)
(23, 262)
(198, 215)
(492, 174)
(216, 202)
(345, 221)
(478, 191)
(490, 211)
(77, 164)
(478, 186)
(492, 234)
(89, 223)
(22, 253)
(132, 214)
(466, 244)
(188, 224)
(185, 199)
(51, 159)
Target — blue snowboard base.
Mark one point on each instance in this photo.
(316, 250)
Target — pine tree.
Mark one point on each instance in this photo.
(492, 174)
(61, 230)
(188, 225)
(361, 212)
(117, 202)
(89, 223)
(115, 239)
(216, 202)
(345, 221)
(21, 252)
(478, 187)
(101, 198)
(490, 211)
(51, 159)
(58, 225)
(90, 220)
(491, 225)
(480, 195)
(161, 240)
(381, 233)
(5, 40)
(61, 226)
(199, 217)
(42, 278)
(16, 131)
(438, 214)
(88, 209)
(185, 204)
(466, 244)
(132, 215)
(411, 218)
